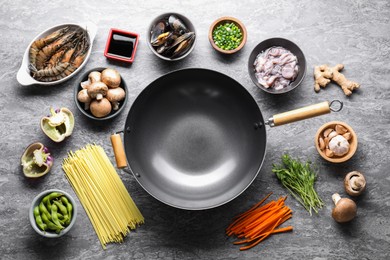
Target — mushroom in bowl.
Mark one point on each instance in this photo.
(101, 93)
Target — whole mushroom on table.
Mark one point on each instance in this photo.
(102, 93)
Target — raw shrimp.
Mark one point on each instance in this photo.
(37, 45)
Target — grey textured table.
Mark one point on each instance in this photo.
(356, 33)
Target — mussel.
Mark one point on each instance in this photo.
(170, 37)
(162, 38)
(182, 44)
(177, 25)
(157, 30)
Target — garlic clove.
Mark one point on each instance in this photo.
(341, 129)
(329, 153)
(332, 134)
(326, 140)
(327, 132)
(321, 143)
(347, 136)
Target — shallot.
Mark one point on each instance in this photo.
(276, 68)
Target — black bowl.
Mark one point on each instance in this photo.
(88, 113)
(289, 45)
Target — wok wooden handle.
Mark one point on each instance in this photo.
(301, 113)
(119, 151)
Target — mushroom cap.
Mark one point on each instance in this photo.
(111, 78)
(115, 94)
(100, 108)
(354, 183)
(94, 76)
(345, 210)
(97, 88)
(83, 96)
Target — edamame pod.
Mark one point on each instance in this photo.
(54, 216)
(43, 210)
(51, 197)
(69, 207)
(61, 207)
(38, 219)
(50, 224)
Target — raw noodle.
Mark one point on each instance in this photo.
(105, 199)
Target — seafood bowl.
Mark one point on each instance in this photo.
(171, 36)
(49, 233)
(24, 76)
(353, 142)
(224, 20)
(88, 113)
(288, 45)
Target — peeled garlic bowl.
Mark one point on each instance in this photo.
(336, 141)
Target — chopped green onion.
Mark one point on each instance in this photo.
(227, 36)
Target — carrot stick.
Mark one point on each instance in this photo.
(259, 222)
(261, 239)
(275, 231)
(257, 204)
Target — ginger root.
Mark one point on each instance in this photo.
(324, 74)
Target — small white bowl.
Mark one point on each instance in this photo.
(37, 200)
(23, 76)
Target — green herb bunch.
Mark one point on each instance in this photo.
(299, 179)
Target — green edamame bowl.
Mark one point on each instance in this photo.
(49, 233)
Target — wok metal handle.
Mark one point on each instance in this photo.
(119, 151)
(304, 113)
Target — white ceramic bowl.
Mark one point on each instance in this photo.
(37, 200)
(23, 76)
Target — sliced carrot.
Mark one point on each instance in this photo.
(259, 222)
(261, 239)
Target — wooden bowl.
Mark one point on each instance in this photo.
(223, 20)
(353, 142)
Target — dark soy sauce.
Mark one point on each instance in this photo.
(121, 45)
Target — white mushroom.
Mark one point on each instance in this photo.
(354, 183)
(100, 108)
(97, 90)
(83, 97)
(94, 76)
(114, 95)
(111, 78)
(339, 145)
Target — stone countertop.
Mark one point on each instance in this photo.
(355, 33)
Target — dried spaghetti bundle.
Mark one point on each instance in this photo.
(105, 199)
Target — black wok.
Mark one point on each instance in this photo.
(195, 138)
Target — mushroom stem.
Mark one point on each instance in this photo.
(356, 182)
(336, 197)
(99, 96)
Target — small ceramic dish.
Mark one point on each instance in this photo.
(353, 142)
(289, 45)
(87, 113)
(48, 233)
(121, 45)
(24, 77)
(224, 20)
(164, 18)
